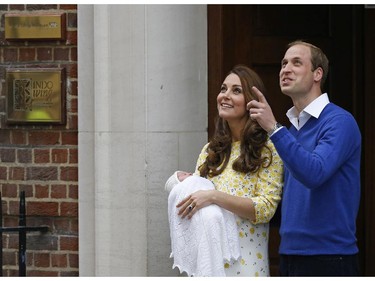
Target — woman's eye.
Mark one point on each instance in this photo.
(237, 91)
(223, 89)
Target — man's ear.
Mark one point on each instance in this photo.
(318, 74)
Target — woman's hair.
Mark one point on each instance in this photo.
(253, 137)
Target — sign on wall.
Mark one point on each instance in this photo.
(35, 95)
(35, 26)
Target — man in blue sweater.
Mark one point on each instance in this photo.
(321, 153)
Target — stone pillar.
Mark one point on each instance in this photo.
(142, 73)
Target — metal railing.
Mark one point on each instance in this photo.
(22, 229)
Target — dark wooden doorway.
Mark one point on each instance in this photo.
(256, 35)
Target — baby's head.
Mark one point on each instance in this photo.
(181, 175)
(176, 178)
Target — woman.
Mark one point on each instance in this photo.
(246, 171)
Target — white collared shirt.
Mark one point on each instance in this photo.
(314, 109)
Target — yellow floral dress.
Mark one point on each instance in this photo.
(264, 188)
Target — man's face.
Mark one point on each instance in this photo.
(296, 77)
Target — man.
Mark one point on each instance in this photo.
(321, 153)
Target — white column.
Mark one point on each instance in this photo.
(142, 115)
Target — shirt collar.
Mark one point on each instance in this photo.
(316, 106)
(314, 109)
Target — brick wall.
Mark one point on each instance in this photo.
(41, 160)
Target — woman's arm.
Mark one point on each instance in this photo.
(241, 206)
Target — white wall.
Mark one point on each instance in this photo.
(142, 73)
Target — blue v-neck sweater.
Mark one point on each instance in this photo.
(322, 184)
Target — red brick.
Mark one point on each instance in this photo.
(28, 189)
(18, 137)
(2, 104)
(58, 191)
(74, 226)
(24, 155)
(10, 55)
(73, 54)
(11, 222)
(71, 70)
(44, 54)
(62, 225)
(69, 209)
(41, 259)
(72, 122)
(3, 173)
(27, 54)
(11, 273)
(2, 121)
(13, 241)
(41, 273)
(70, 273)
(59, 155)
(44, 138)
(9, 257)
(41, 173)
(9, 190)
(14, 207)
(16, 173)
(42, 209)
(73, 191)
(73, 89)
(8, 155)
(29, 259)
(69, 173)
(73, 155)
(73, 108)
(5, 136)
(36, 7)
(68, 243)
(68, 7)
(70, 138)
(41, 156)
(59, 260)
(41, 191)
(71, 38)
(61, 54)
(73, 260)
(16, 7)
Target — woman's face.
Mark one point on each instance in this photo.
(231, 103)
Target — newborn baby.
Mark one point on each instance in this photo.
(200, 245)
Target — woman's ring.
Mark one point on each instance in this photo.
(190, 207)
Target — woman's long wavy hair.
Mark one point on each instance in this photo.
(253, 137)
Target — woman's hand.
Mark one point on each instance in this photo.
(195, 201)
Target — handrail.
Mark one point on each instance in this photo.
(22, 229)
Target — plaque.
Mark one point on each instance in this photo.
(35, 26)
(35, 95)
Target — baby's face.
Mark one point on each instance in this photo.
(183, 175)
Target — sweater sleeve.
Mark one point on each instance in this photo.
(315, 159)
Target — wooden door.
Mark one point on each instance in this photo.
(257, 35)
